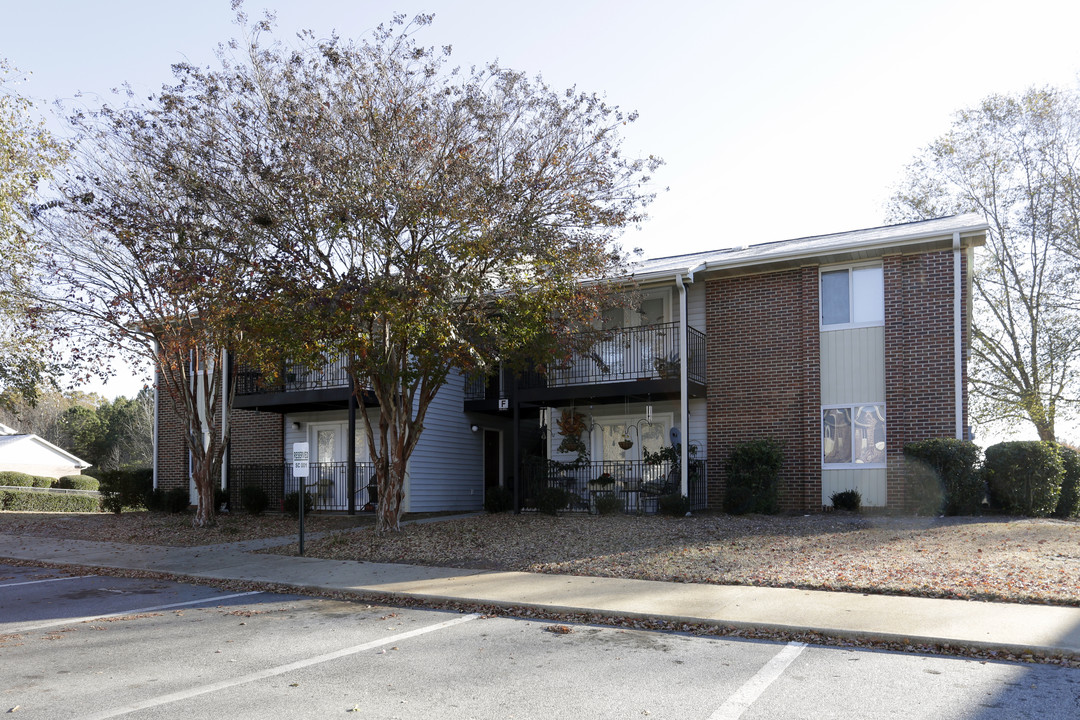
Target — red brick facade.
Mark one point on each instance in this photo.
(919, 386)
(762, 345)
(764, 380)
(257, 438)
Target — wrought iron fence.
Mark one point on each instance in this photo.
(327, 483)
(639, 484)
(334, 373)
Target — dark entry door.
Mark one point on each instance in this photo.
(492, 458)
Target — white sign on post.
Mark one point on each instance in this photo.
(300, 460)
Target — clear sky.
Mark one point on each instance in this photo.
(776, 119)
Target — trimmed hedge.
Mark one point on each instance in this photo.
(1069, 501)
(14, 478)
(753, 478)
(942, 477)
(673, 505)
(1024, 477)
(78, 482)
(498, 499)
(40, 481)
(48, 502)
(177, 500)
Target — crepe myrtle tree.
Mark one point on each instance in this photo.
(416, 218)
(143, 263)
(28, 154)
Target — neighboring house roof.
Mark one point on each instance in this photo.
(31, 449)
(868, 243)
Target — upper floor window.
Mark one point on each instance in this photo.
(852, 297)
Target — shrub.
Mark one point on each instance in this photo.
(48, 502)
(608, 504)
(498, 499)
(847, 500)
(753, 478)
(291, 503)
(78, 482)
(254, 499)
(942, 477)
(1069, 501)
(40, 481)
(154, 500)
(125, 488)
(1024, 477)
(221, 498)
(673, 504)
(177, 499)
(13, 478)
(551, 500)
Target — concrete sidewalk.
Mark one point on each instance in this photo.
(993, 626)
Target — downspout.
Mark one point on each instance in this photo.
(684, 380)
(958, 346)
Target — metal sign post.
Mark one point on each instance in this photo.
(300, 472)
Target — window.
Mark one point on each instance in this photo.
(853, 435)
(852, 297)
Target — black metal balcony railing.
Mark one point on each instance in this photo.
(296, 377)
(637, 353)
(650, 352)
(637, 483)
(327, 483)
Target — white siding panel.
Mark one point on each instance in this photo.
(695, 305)
(446, 471)
(853, 365)
(698, 421)
(870, 483)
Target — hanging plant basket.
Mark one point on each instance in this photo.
(626, 444)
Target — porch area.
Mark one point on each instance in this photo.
(327, 483)
(637, 483)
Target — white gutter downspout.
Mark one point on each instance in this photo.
(958, 347)
(684, 381)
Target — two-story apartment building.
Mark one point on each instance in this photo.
(842, 347)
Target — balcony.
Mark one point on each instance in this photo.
(627, 361)
(299, 387)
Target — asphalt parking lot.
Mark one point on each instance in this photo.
(102, 647)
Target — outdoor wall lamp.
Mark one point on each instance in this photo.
(475, 428)
(296, 426)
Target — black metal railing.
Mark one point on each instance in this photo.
(638, 484)
(327, 483)
(334, 373)
(637, 353)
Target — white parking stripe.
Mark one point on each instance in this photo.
(271, 672)
(35, 582)
(751, 690)
(136, 611)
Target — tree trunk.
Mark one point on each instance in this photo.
(202, 472)
(1046, 431)
(391, 485)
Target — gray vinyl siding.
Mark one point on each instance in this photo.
(870, 483)
(446, 471)
(695, 305)
(853, 371)
(853, 366)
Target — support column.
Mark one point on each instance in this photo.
(350, 469)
